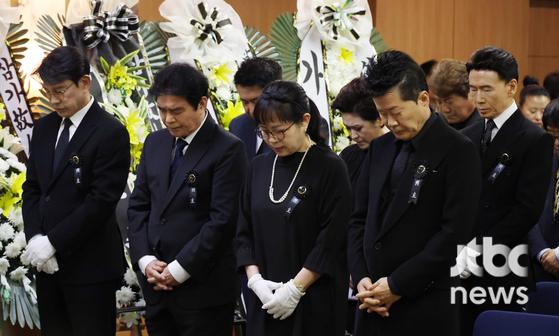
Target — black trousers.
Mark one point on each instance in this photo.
(76, 310)
(169, 318)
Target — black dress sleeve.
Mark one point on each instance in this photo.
(333, 214)
(244, 241)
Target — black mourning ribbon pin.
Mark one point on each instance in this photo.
(504, 160)
(295, 200)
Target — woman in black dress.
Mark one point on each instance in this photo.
(294, 208)
(363, 122)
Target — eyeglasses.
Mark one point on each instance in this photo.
(58, 93)
(278, 135)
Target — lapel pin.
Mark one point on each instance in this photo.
(302, 190)
(191, 178)
(76, 160)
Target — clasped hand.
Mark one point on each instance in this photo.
(376, 297)
(157, 274)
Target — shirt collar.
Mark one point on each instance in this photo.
(191, 136)
(503, 117)
(77, 118)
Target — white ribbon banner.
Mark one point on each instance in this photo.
(311, 74)
(14, 98)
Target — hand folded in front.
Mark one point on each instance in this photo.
(284, 301)
(157, 275)
(376, 297)
(264, 289)
(49, 267)
(38, 250)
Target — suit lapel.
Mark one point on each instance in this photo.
(380, 170)
(509, 133)
(84, 131)
(47, 154)
(194, 153)
(430, 153)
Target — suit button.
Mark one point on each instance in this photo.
(378, 246)
(486, 206)
(47, 198)
(163, 220)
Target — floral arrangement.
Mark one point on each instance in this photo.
(120, 82)
(16, 290)
(130, 296)
(347, 37)
(214, 40)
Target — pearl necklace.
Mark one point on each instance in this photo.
(271, 189)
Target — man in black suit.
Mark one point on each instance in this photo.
(516, 158)
(183, 210)
(449, 85)
(544, 236)
(415, 201)
(76, 174)
(250, 79)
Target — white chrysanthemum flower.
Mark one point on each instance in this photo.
(124, 296)
(19, 239)
(140, 303)
(4, 166)
(18, 273)
(338, 123)
(341, 143)
(4, 264)
(129, 319)
(223, 92)
(9, 141)
(20, 167)
(6, 231)
(12, 250)
(130, 277)
(114, 96)
(24, 259)
(16, 217)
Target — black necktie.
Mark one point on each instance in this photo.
(399, 165)
(62, 143)
(486, 139)
(179, 147)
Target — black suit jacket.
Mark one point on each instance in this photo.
(79, 219)
(199, 237)
(545, 234)
(244, 128)
(510, 206)
(415, 244)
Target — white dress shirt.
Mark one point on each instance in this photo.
(502, 118)
(76, 120)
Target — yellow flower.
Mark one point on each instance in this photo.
(2, 112)
(231, 112)
(221, 74)
(138, 132)
(346, 56)
(12, 195)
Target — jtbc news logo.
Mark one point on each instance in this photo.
(467, 265)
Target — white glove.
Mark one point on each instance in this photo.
(49, 267)
(263, 288)
(39, 250)
(465, 261)
(284, 301)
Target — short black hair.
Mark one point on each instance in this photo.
(355, 98)
(257, 71)
(61, 64)
(391, 69)
(494, 59)
(428, 66)
(551, 84)
(532, 90)
(551, 114)
(182, 80)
